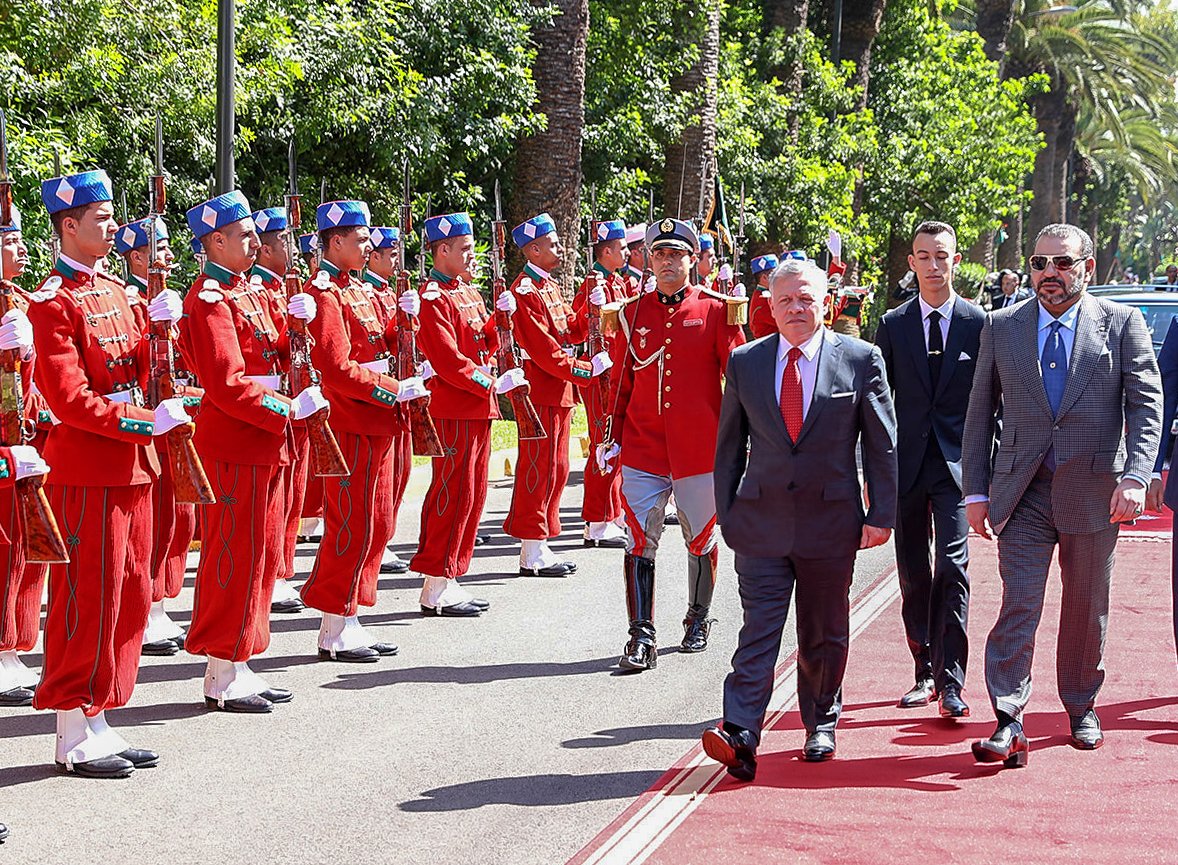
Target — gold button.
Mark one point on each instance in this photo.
(667, 388)
(666, 405)
(666, 372)
(668, 324)
(667, 354)
(667, 340)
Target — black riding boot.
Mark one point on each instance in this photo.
(640, 652)
(701, 582)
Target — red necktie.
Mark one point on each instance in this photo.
(791, 394)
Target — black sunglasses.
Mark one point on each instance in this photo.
(1063, 263)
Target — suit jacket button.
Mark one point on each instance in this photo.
(791, 486)
(1056, 427)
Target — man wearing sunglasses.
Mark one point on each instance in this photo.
(1081, 425)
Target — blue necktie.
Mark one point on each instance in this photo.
(1054, 365)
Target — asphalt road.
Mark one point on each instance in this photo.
(506, 739)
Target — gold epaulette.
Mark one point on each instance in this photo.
(710, 293)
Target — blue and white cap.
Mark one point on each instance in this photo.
(196, 246)
(218, 212)
(75, 190)
(384, 237)
(133, 235)
(706, 242)
(308, 243)
(270, 219)
(609, 229)
(342, 214)
(762, 263)
(636, 234)
(444, 227)
(15, 221)
(796, 255)
(537, 226)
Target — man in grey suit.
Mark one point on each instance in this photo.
(1082, 409)
(790, 504)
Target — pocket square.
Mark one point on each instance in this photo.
(844, 393)
(964, 356)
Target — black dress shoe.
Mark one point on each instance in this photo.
(180, 642)
(560, 569)
(695, 634)
(1086, 732)
(277, 695)
(952, 706)
(572, 566)
(160, 648)
(921, 694)
(1007, 745)
(362, 655)
(3, 831)
(386, 649)
(480, 540)
(113, 766)
(290, 605)
(254, 704)
(639, 655)
(734, 750)
(482, 603)
(141, 758)
(465, 610)
(613, 543)
(819, 746)
(671, 519)
(398, 567)
(16, 697)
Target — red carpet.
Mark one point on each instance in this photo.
(904, 785)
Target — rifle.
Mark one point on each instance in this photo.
(422, 431)
(327, 460)
(189, 480)
(738, 242)
(527, 420)
(43, 543)
(596, 340)
(54, 240)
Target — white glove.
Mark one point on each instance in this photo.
(302, 306)
(485, 369)
(605, 455)
(425, 370)
(510, 380)
(597, 296)
(650, 286)
(601, 362)
(505, 302)
(725, 272)
(166, 307)
(16, 332)
(739, 290)
(170, 414)
(309, 401)
(410, 303)
(411, 388)
(28, 462)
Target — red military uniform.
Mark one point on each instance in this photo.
(91, 363)
(761, 321)
(243, 436)
(385, 297)
(547, 330)
(352, 357)
(458, 338)
(602, 501)
(137, 298)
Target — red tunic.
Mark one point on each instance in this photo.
(761, 321)
(668, 390)
(546, 328)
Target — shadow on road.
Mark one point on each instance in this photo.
(628, 735)
(535, 790)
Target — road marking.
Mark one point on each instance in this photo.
(641, 835)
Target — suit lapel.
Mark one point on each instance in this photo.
(766, 366)
(828, 364)
(953, 344)
(913, 331)
(1025, 331)
(1090, 341)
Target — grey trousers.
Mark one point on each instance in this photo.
(644, 500)
(1025, 548)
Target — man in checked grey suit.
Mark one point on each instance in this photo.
(1082, 409)
(790, 504)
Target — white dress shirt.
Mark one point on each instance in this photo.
(946, 311)
(76, 265)
(807, 367)
(1067, 331)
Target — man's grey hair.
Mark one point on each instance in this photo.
(1063, 231)
(806, 270)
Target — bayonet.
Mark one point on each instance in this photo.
(682, 177)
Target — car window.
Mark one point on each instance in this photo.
(1157, 318)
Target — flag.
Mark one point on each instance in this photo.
(716, 221)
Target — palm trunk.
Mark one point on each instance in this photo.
(860, 25)
(1010, 253)
(1047, 205)
(789, 16)
(983, 250)
(994, 19)
(548, 165)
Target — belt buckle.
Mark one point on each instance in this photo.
(137, 397)
(283, 384)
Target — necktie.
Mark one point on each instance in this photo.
(1054, 365)
(936, 347)
(791, 394)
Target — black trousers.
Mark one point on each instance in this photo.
(932, 558)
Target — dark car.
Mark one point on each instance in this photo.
(1158, 307)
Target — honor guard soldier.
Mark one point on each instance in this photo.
(383, 262)
(601, 507)
(311, 524)
(91, 358)
(546, 329)
(761, 321)
(244, 438)
(458, 338)
(706, 263)
(168, 557)
(267, 275)
(21, 583)
(635, 258)
(352, 357)
(669, 363)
